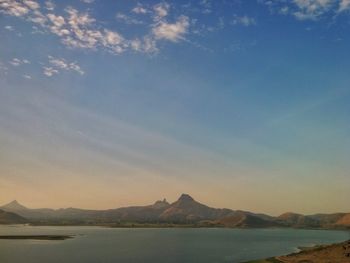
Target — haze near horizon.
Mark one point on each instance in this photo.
(241, 104)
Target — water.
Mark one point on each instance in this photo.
(105, 245)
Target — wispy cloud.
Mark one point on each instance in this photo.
(88, 1)
(13, 8)
(161, 10)
(78, 29)
(31, 4)
(344, 5)
(3, 69)
(9, 28)
(243, 20)
(207, 7)
(26, 76)
(128, 19)
(50, 71)
(172, 31)
(139, 9)
(57, 64)
(18, 62)
(307, 9)
(311, 9)
(49, 5)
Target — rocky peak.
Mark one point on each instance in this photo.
(185, 197)
(161, 203)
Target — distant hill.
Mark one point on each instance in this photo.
(185, 210)
(328, 220)
(297, 220)
(337, 220)
(245, 220)
(11, 218)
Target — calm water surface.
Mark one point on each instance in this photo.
(104, 245)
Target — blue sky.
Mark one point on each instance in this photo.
(242, 104)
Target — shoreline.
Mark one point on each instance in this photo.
(172, 225)
(168, 226)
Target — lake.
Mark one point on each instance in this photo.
(105, 245)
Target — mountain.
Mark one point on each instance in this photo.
(185, 210)
(14, 205)
(148, 213)
(11, 218)
(23, 211)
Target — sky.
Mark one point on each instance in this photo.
(241, 104)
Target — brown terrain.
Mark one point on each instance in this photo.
(336, 253)
(344, 221)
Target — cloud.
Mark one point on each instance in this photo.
(139, 9)
(206, 4)
(78, 29)
(78, 19)
(88, 1)
(18, 62)
(13, 8)
(311, 9)
(128, 19)
(57, 64)
(38, 18)
(307, 9)
(31, 4)
(58, 21)
(344, 5)
(49, 71)
(28, 9)
(173, 32)
(244, 20)
(82, 33)
(26, 76)
(284, 10)
(49, 5)
(112, 38)
(161, 10)
(57, 25)
(147, 45)
(9, 28)
(3, 69)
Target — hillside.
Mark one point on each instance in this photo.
(11, 218)
(244, 220)
(344, 221)
(297, 220)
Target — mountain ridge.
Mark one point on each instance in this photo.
(185, 210)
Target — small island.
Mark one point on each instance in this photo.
(36, 237)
